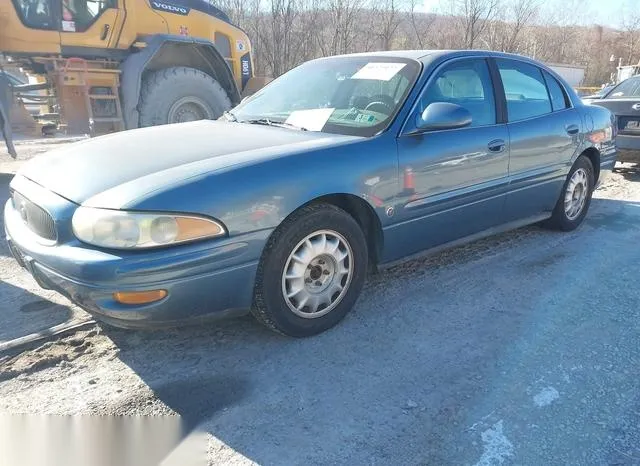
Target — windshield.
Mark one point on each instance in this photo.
(628, 88)
(357, 96)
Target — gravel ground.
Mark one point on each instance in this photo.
(519, 349)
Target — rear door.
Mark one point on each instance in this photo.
(88, 26)
(544, 132)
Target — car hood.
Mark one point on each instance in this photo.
(167, 154)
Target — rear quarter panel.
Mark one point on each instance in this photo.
(599, 133)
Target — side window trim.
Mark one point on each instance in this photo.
(546, 85)
(502, 114)
(409, 121)
(567, 101)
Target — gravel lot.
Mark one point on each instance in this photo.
(520, 349)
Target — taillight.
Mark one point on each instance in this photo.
(596, 137)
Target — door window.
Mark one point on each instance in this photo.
(36, 14)
(525, 90)
(466, 83)
(78, 15)
(559, 99)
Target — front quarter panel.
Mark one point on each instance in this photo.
(260, 196)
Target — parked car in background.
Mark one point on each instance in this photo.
(624, 102)
(597, 95)
(340, 165)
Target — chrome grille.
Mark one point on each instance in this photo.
(35, 217)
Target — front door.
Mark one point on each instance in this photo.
(544, 131)
(452, 181)
(88, 27)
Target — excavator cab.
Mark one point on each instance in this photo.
(37, 14)
(89, 23)
(77, 15)
(69, 23)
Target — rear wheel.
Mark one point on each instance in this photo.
(575, 198)
(311, 271)
(181, 94)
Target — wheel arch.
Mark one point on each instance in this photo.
(363, 213)
(593, 155)
(165, 51)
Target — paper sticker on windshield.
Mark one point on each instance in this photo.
(313, 120)
(379, 71)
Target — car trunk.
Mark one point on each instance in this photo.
(628, 117)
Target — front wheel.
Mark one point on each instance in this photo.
(575, 198)
(311, 272)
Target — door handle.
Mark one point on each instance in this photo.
(636, 106)
(496, 145)
(105, 32)
(572, 129)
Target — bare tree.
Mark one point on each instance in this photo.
(523, 14)
(421, 24)
(343, 16)
(285, 33)
(279, 34)
(630, 33)
(388, 17)
(472, 16)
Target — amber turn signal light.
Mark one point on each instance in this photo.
(139, 297)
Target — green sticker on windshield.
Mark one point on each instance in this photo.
(362, 118)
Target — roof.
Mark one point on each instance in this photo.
(410, 54)
(430, 55)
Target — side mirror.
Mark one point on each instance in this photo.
(443, 115)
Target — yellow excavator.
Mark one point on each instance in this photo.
(110, 65)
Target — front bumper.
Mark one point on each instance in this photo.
(207, 279)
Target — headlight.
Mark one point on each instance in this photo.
(125, 230)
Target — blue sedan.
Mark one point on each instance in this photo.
(283, 206)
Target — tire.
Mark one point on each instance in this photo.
(180, 91)
(340, 231)
(561, 218)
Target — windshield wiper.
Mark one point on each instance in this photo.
(230, 116)
(268, 122)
